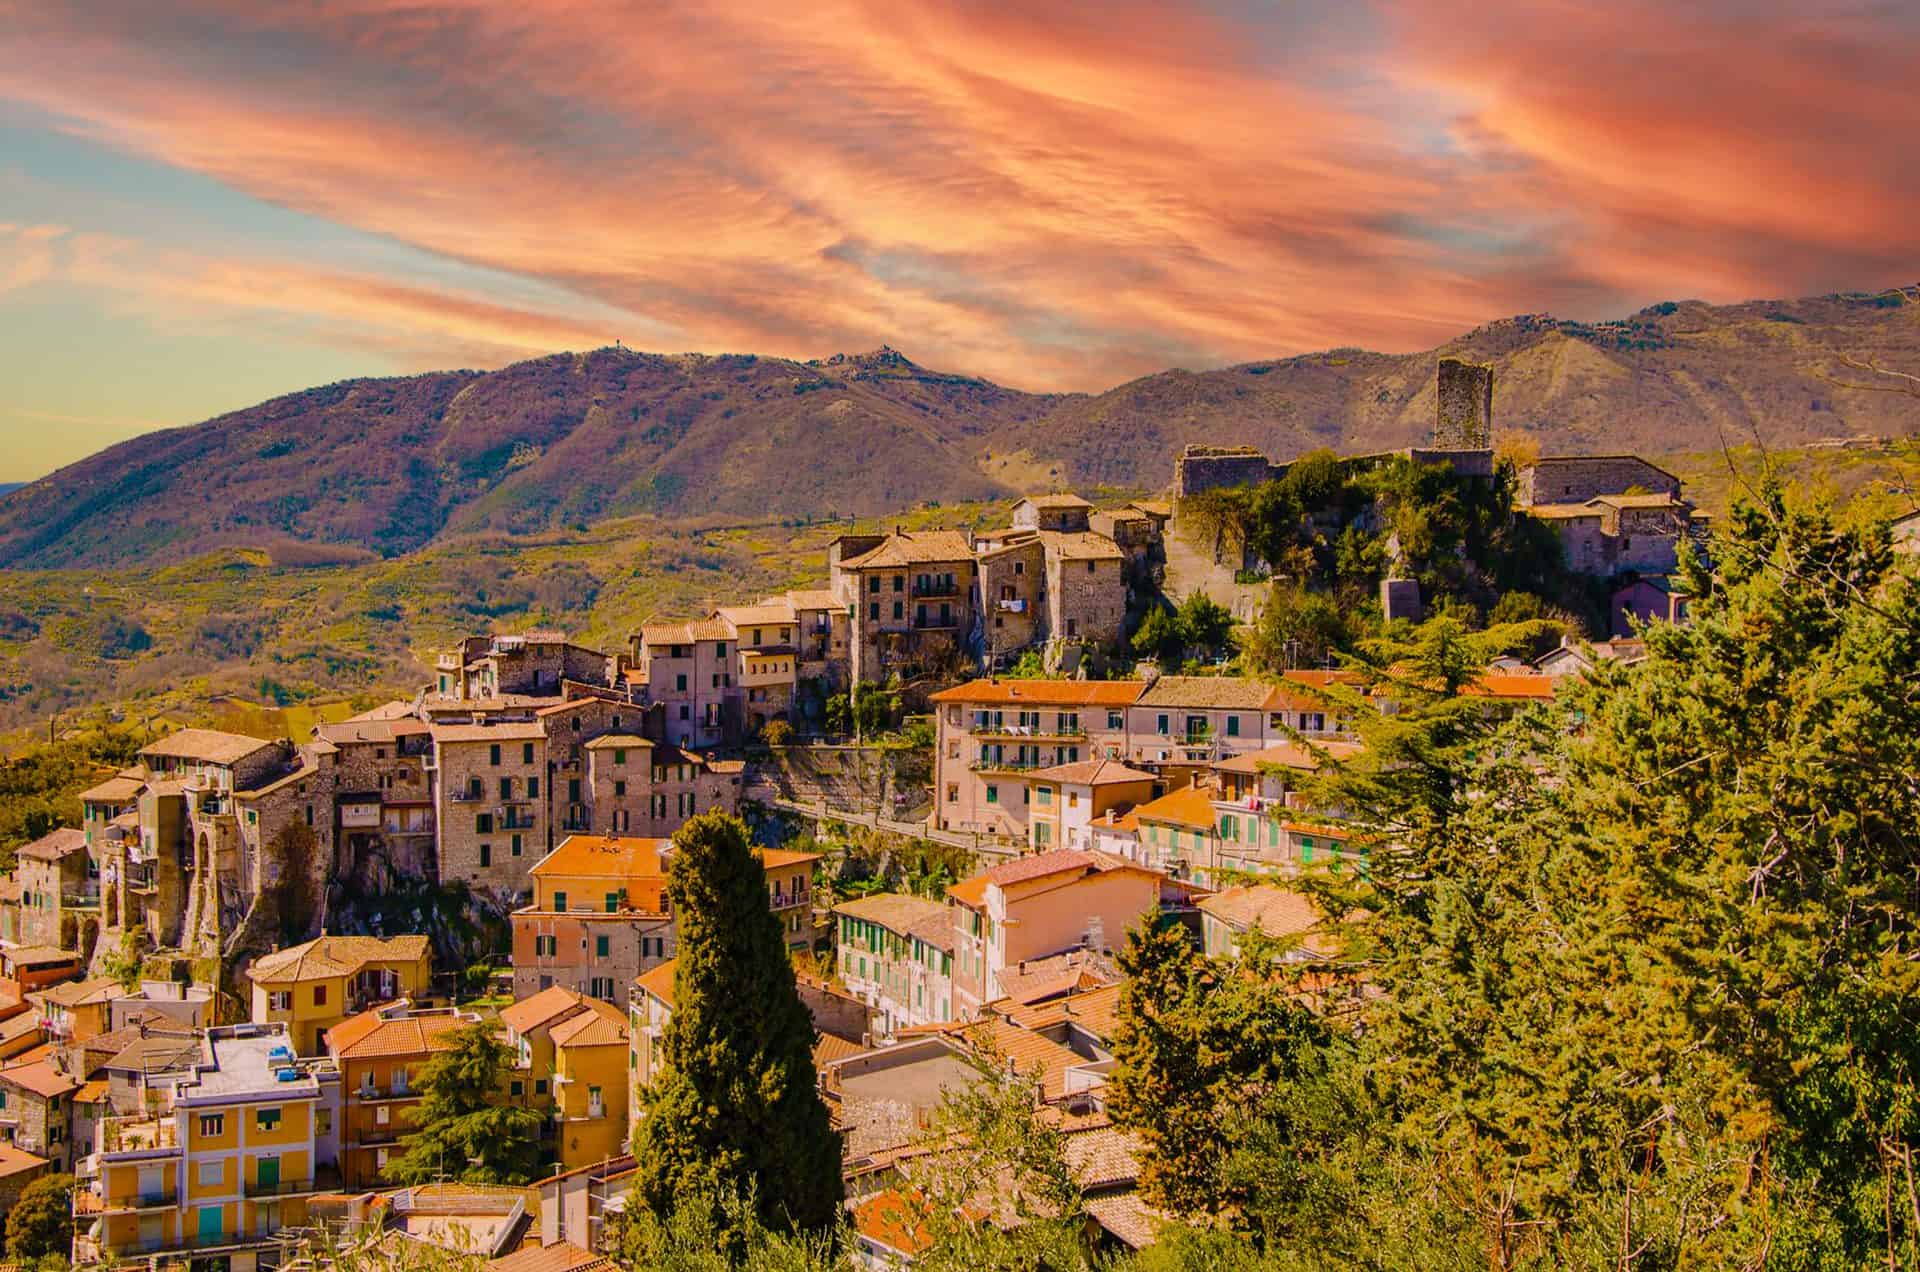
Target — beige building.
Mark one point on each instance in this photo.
(913, 598)
(1065, 801)
(895, 953)
(309, 988)
(490, 803)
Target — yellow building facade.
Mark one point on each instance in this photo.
(590, 1084)
(311, 988)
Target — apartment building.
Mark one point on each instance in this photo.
(992, 733)
(228, 1157)
(1065, 801)
(36, 1105)
(590, 1084)
(598, 917)
(688, 669)
(529, 1025)
(1039, 906)
(58, 885)
(379, 776)
(489, 803)
(913, 598)
(378, 1055)
(1194, 720)
(766, 660)
(1264, 823)
(823, 632)
(310, 988)
(895, 953)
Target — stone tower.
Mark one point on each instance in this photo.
(1464, 417)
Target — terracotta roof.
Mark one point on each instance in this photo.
(159, 1053)
(915, 547)
(658, 982)
(1153, 507)
(357, 730)
(1190, 806)
(600, 1025)
(619, 741)
(684, 631)
(1103, 1157)
(813, 599)
(549, 1004)
(1081, 545)
(55, 846)
(895, 911)
(561, 1256)
(1059, 499)
(394, 710)
(1102, 772)
(605, 857)
(1074, 971)
(1502, 685)
(1275, 911)
(1097, 1010)
(115, 790)
(1040, 865)
(1287, 755)
(1563, 512)
(521, 731)
(1223, 692)
(1065, 693)
(1660, 500)
(765, 614)
(94, 1092)
(330, 956)
(17, 1161)
(969, 892)
(359, 1039)
(82, 992)
(934, 929)
(209, 745)
(1131, 1221)
(889, 1220)
(40, 1077)
(1030, 1054)
(774, 858)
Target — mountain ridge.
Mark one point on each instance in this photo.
(392, 464)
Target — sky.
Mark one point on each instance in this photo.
(203, 205)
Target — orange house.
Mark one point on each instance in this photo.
(380, 1055)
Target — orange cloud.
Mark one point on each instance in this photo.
(1057, 196)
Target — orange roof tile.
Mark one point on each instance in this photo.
(604, 857)
(548, 1005)
(405, 1036)
(1065, 693)
(561, 1256)
(1503, 685)
(887, 1219)
(1189, 806)
(600, 1025)
(658, 982)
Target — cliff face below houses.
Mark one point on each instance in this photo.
(392, 465)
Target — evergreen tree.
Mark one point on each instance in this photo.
(736, 1112)
(41, 1221)
(464, 1133)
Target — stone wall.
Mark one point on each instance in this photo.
(1578, 478)
(1202, 468)
(1015, 575)
(1463, 418)
(459, 818)
(1087, 600)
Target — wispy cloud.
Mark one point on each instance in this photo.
(1057, 195)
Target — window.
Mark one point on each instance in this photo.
(516, 1087)
(680, 682)
(953, 792)
(602, 946)
(899, 611)
(619, 755)
(993, 794)
(212, 1124)
(573, 790)
(516, 845)
(526, 753)
(483, 824)
(873, 611)
(685, 712)
(1019, 567)
(899, 582)
(544, 947)
(539, 1086)
(613, 903)
(486, 855)
(1073, 799)
(1233, 726)
(506, 788)
(559, 900)
(1160, 724)
(601, 987)
(1044, 794)
(620, 790)
(533, 788)
(720, 648)
(319, 995)
(1089, 567)
(280, 1000)
(493, 754)
(266, 1119)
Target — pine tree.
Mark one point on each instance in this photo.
(736, 1113)
(464, 1133)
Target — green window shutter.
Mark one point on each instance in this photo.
(601, 946)
(559, 900)
(613, 903)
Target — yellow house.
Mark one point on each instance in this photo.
(590, 1084)
(228, 1160)
(311, 988)
(530, 1024)
(790, 892)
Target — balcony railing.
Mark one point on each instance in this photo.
(935, 622)
(1008, 766)
(152, 1199)
(1004, 730)
(377, 1094)
(140, 880)
(788, 900)
(283, 1188)
(937, 587)
(466, 796)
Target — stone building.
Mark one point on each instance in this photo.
(490, 806)
(914, 598)
(532, 664)
(59, 892)
(1575, 479)
(1463, 419)
(687, 668)
(1066, 513)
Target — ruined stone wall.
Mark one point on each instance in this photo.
(1013, 576)
(1202, 468)
(1087, 600)
(1463, 417)
(1578, 478)
(285, 854)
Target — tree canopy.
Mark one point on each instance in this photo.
(465, 1133)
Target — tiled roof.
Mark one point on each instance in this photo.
(915, 547)
(1160, 508)
(18, 1161)
(1564, 512)
(549, 1004)
(561, 1256)
(521, 731)
(1096, 1010)
(813, 599)
(774, 858)
(395, 710)
(969, 892)
(1083, 545)
(765, 614)
(1072, 971)
(349, 732)
(209, 745)
(40, 1077)
(405, 1036)
(889, 1220)
(1275, 911)
(1661, 500)
(55, 846)
(684, 631)
(1060, 499)
(1501, 685)
(658, 982)
(1064, 693)
(1130, 1220)
(1227, 692)
(1288, 755)
(1030, 1054)
(895, 911)
(115, 790)
(1190, 806)
(82, 992)
(830, 1047)
(600, 1025)
(618, 741)
(329, 956)
(1103, 1157)
(1101, 772)
(604, 857)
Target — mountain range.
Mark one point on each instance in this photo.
(392, 465)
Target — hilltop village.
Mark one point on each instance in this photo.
(187, 1026)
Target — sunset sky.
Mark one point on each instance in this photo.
(203, 205)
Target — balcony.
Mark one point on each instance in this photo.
(1011, 605)
(160, 1198)
(382, 1095)
(140, 880)
(790, 900)
(1008, 766)
(323, 1181)
(80, 900)
(468, 796)
(1002, 730)
(935, 588)
(935, 622)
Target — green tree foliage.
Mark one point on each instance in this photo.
(40, 788)
(1640, 965)
(464, 1133)
(737, 1111)
(868, 710)
(730, 1237)
(41, 1222)
(1299, 628)
(1199, 628)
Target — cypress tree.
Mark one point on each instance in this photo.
(735, 1113)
